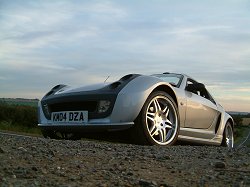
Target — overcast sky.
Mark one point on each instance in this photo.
(43, 43)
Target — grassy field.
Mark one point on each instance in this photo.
(19, 115)
(8, 127)
(241, 133)
(20, 101)
(246, 121)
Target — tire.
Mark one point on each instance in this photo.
(228, 136)
(60, 135)
(158, 121)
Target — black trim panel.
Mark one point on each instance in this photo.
(87, 128)
(90, 99)
(217, 123)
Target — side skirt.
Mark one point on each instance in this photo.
(199, 136)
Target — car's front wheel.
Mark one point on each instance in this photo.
(228, 136)
(158, 121)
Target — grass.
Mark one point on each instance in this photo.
(19, 115)
(7, 127)
(23, 103)
(241, 132)
(246, 121)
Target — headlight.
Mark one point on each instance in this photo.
(46, 111)
(103, 106)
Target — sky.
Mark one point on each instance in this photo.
(44, 43)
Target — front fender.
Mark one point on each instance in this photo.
(132, 97)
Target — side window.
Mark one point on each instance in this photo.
(202, 92)
(211, 98)
(190, 81)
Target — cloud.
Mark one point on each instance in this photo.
(196, 29)
(27, 66)
(3, 78)
(107, 8)
(82, 42)
(235, 105)
(53, 67)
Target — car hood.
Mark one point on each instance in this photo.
(69, 89)
(108, 88)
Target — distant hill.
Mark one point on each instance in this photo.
(20, 101)
(242, 118)
(238, 113)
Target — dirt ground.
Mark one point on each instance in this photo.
(34, 161)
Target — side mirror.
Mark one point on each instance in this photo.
(195, 86)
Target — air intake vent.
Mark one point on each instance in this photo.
(126, 77)
(115, 85)
(217, 124)
(59, 86)
(56, 87)
(49, 93)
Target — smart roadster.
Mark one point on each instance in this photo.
(158, 110)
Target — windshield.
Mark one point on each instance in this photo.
(173, 79)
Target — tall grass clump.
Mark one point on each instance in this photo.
(17, 117)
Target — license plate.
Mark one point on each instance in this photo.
(70, 117)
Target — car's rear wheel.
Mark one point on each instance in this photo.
(158, 121)
(58, 135)
(228, 136)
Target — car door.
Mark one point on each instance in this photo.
(201, 109)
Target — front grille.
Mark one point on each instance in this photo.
(78, 103)
(90, 106)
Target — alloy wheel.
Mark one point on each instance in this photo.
(161, 120)
(229, 136)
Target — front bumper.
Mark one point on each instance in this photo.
(89, 127)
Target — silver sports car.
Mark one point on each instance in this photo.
(158, 110)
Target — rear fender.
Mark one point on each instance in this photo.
(224, 119)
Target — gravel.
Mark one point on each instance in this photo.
(32, 161)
